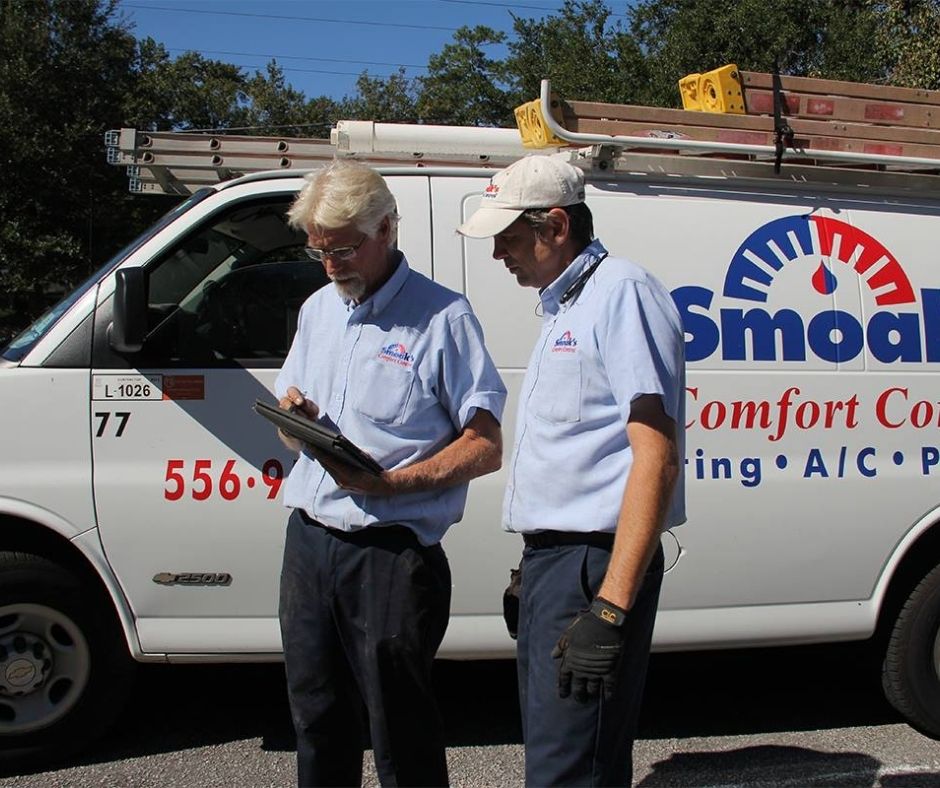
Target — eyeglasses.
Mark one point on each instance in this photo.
(341, 253)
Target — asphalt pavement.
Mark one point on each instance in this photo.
(791, 717)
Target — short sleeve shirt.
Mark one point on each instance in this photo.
(619, 339)
(400, 375)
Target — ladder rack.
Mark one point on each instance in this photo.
(842, 133)
(178, 162)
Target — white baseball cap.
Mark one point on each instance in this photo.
(531, 182)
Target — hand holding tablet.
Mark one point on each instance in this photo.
(333, 443)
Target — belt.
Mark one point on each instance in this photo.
(393, 535)
(556, 538)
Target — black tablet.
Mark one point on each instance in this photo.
(333, 443)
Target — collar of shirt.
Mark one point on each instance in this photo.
(551, 294)
(381, 298)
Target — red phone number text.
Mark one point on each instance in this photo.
(203, 483)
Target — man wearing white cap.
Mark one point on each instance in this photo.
(596, 472)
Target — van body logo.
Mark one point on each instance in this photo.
(824, 248)
(794, 237)
(193, 579)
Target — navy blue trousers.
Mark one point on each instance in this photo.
(362, 616)
(571, 743)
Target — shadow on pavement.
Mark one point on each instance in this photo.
(762, 691)
(765, 765)
(179, 707)
(919, 780)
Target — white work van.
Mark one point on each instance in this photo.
(140, 511)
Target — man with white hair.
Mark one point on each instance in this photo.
(596, 472)
(398, 364)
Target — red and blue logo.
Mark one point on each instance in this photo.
(565, 343)
(750, 332)
(396, 353)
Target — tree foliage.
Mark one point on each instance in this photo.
(189, 92)
(580, 51)
(63, 72)
(811, 38)
(71, 69)
(276, 108)
(908, 36)
(464, 86)
(389, 100)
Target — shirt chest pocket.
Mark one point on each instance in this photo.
(383, 392)
(557, 395)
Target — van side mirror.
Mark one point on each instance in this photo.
(128, 327)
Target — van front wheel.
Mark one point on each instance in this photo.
(63, 665)
(911, 672)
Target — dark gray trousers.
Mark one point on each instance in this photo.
(362, 616)
(568, 743)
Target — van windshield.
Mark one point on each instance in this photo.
(23, 342)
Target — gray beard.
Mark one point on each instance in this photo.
(352, 289)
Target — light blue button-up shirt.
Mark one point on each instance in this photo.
(620, 338)
(400, 375)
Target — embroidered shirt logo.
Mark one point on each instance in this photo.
(565, 343)
(396, 353)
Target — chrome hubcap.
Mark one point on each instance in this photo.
(25, 662)
(44, 666)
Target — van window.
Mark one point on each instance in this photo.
(20, 345)
(230, 292)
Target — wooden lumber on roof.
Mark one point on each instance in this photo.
(834, 100)
(855, 110)
(800, 142)
(623, 119)
(582, 112)
(833, 87)
(824, 115)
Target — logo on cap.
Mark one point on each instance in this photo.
(491, 192)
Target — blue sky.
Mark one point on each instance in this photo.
(323, 46)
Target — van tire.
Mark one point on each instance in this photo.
(64, 665)
(911, 671)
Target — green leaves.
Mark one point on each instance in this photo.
(71, 69)
(63, 75)
(464, 85)
(391, 100)
(908, 36)
(582, 51)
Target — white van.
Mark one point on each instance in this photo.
(139, 494)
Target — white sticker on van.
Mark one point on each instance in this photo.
(126, 387)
